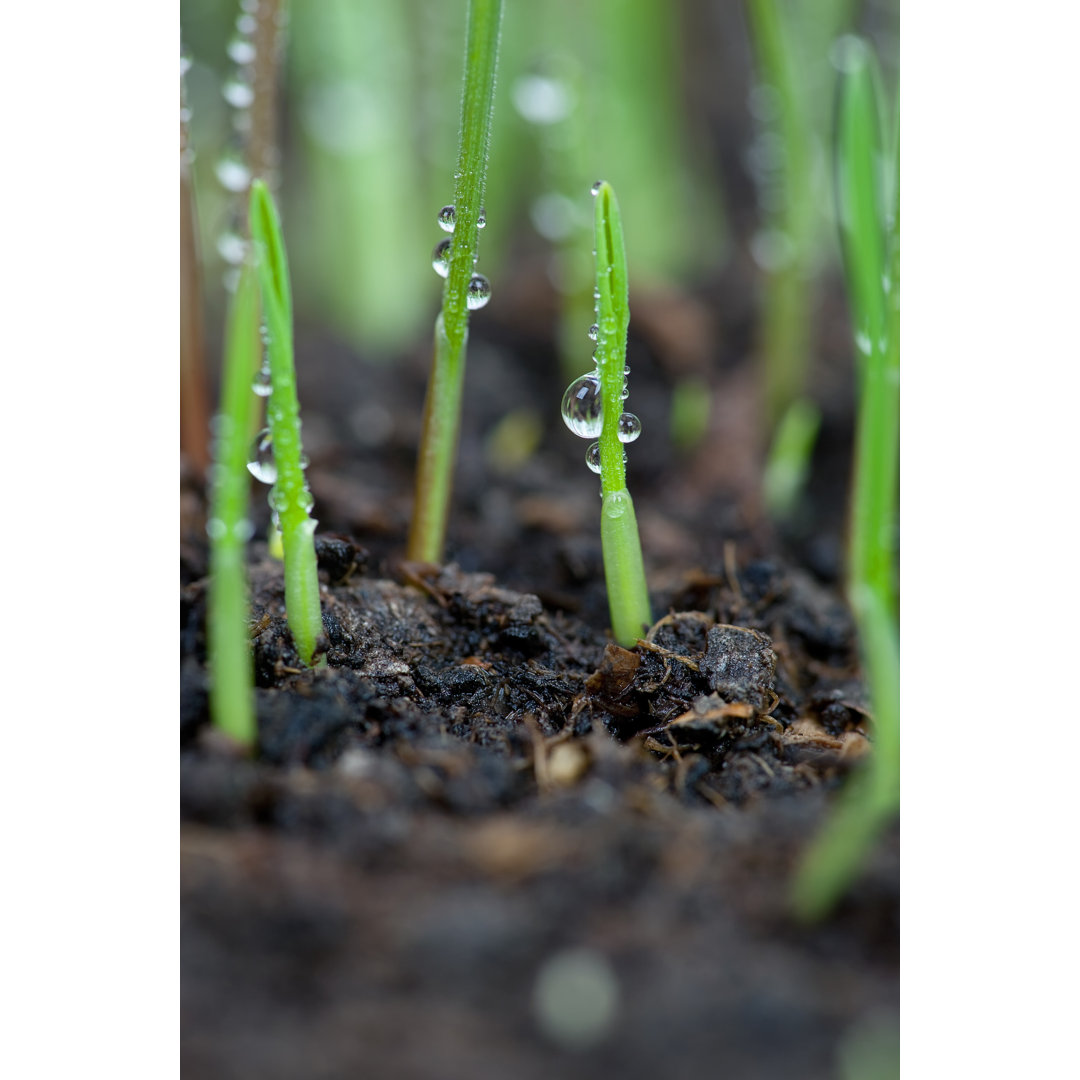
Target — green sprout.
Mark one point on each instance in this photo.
(593, 405)
(290, 499)
(232, 702)
(789, 247)
(465, 290)
(870, 238)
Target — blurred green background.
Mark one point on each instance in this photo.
(659, 97)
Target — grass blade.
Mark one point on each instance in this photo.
(442, 404)
(232, 701)
(624, 571)
(290, 498)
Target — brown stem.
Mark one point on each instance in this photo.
(194, 396)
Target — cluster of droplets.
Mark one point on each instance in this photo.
(262, 463)
(583, 403)
(232, 169)
(478, 291)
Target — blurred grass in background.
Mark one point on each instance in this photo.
(638, 92)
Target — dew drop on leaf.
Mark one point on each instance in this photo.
(629, 427)
(241, 50)
(238, 94)
(478, 292)
(446, 219)
(594, 330)
(440, 258)
(261, 462)
(583, 408)
(592, 457)
(262, 384)
(232, 172)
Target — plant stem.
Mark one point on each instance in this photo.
(232, 704)
(290, 497)
(872, 795)
(442, 404)
(624, 571)
(262, 145)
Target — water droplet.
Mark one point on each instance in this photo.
(862, 342)
(629, 427)
(481, 221)
(554, 216)
(215, 528)
(541, 100)
(446, 219)
(440, 258)
(262, 465)
(232, 248)
(262, 383)
(243, 530)
(583, 408)
(245, 24)
(478, 292)
(592, 457)
(233, 173)
(306, 500)
(238, 94)
(595, 189)
(594, 331)
(241, 50)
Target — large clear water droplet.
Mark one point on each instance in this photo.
(262, 465)
(594, 332)
(238, 94)
(241, 50)
(629, 427)
(440, 258)
(583, 408)
(592, 457)
(446, 219)
(478, 292)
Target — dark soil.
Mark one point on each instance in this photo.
(480, 791)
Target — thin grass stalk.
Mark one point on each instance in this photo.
(624, 570)
(871, 242)
(232, 700)
(442, 404)
(289, 498)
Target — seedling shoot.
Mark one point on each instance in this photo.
(871, 244)
(593, 407)
(232, 705)
(290, 499)
(454, 258)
